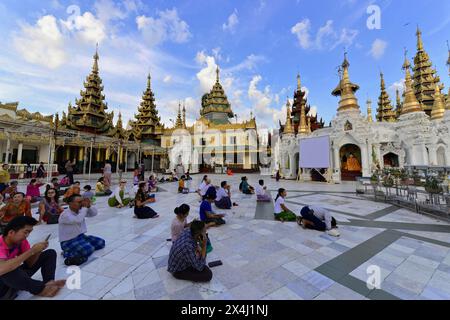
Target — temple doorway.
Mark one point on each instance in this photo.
(390, 160)
(350, 156)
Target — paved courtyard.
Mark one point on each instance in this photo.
(264, 259)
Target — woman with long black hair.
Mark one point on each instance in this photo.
(140, 209)
(282, 213)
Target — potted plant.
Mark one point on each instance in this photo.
(432, 185)
(388, 181)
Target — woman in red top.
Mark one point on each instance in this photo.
(19, 206)
(33, 192)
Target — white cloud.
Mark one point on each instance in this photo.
(207, 75)
(326, 37)
(167, 27)
(167, 79)
(87, 27)
(301, 30)
(378, 48)
(232, 23)
(42, 44)
(313, 111)
(398, 85)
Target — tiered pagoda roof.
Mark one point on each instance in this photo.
(385, 111)
(216, 103)
(346, 89)
(89, 113)
(424, 78)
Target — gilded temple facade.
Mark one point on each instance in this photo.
(415, 133)
(213, 141)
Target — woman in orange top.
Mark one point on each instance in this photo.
(74, 189)
(19, 206)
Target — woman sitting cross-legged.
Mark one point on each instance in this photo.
(118, 199)
(179, 223)
(261, 192)
(282, 213)
(100, 188)
(140, 209)
(187, 257)
(152, 184)
(49, 208)
(245, 187)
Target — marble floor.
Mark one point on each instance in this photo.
(265, 259)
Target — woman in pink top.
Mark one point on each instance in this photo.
(33, 193)
(180, 221)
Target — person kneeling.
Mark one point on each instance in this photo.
(319, 219)
(118, 199)
(76, 245)
(187, 257)
(206, 213)
(19, 262)
(141, 210)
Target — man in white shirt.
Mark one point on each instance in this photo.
(318, 218)
(76, 245)
(223, 199)
(261, 194)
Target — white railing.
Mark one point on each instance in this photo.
(21, 170)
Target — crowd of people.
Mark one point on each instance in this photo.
(190, 240)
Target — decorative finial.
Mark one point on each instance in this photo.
(299, 83)
(218, 74)
(419, 39)
(406, 64)
(96, 58)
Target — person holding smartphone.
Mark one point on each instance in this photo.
(19, 262)
(187, 257)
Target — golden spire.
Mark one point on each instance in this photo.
(369, 110)
(299, 83)
(179, 123)
(96, 58)
(346, 89)
(438, 106)
(303, 129)
(288, 129)
(149, 82)
(385, 110)
(410, 103)
(309, 124)
(217, 75)
(184, 115)
(119, 121)
(419, 39)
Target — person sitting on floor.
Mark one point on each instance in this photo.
(141, 211)
(282, 213)
(261, 192)
(49, 208)
(206, 213)
(88, 193)
(223, 199)
(187, 257)
(152, 184)
(19, 262)
(76, 245)
(318, 218)
(118, 199)
(10, 191)
(202, 185)
(188, 176)
(181, 184)
(100, 188)
(65, 182)
(19, 206)
(54, 185)
(245, 187)
(74, 189)
(33, 192)
(179, 223)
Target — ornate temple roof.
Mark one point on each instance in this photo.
(346, 89)
(424, 77)
(438, 106)
(148, 124)
(385, 111)
(216, 102)
(288, 128)
(410, 104)
(89, 113)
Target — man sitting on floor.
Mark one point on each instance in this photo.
(318, 218)
(206, 213)
(77, 246)
(261, 194)
(19, 262)
(223, 199)
(187, 257)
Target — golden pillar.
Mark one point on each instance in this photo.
(67, 153)
(108, 153)
(97, 155)
(80, 154)
(122, 155)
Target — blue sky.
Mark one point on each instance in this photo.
(260, 45)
